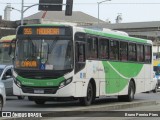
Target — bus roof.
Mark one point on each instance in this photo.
(8, 38)
(116, 35)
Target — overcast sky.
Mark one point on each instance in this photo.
(131, 10)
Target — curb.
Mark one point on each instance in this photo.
(81, 111)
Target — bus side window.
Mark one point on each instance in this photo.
(140, 53)
(132, 52)
(114, 50)
(148, 54)
(103, 48)
(123, 51)
(92, 45)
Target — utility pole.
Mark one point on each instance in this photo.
(22, 7)
(98, 7)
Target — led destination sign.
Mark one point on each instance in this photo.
(43, 31)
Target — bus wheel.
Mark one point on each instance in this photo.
(90, 96)
(39, 102)
(131, 92)
(155, 89)
(130, 96)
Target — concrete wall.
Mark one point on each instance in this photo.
(8, 24)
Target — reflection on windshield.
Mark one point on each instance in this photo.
(44, 54)
(4, 57)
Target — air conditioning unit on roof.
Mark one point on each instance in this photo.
(115, 32)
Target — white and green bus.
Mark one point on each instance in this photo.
(4, 47)
(62, 61)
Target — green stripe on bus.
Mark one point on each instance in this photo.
(118, 75)
(40, 82)
(115, 36)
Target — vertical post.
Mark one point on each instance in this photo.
(98, 7)
(22, 12)
(98, 13)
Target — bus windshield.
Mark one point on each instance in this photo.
(44, 54)
(4, 57)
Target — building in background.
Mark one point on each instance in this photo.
(78, 18)
(7, 12)
(7, 27)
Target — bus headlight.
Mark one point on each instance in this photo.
(66, 82)
(18, 83)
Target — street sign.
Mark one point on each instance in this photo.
(50, 5)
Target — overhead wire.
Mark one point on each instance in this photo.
(89, 3)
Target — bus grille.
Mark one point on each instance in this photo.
(46, 90)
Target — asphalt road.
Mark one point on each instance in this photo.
(13, 104)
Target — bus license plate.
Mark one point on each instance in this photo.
(39, 91)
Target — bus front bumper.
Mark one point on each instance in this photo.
(74, 89)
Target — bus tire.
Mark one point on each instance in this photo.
(121, 98)
(155, 89)
(90, 96)
(40, 102)
(130, 96)
(131, 92)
